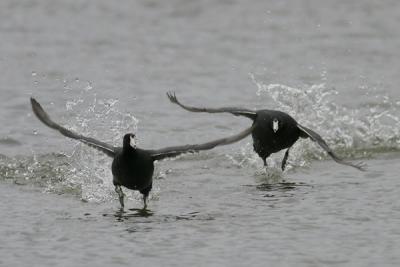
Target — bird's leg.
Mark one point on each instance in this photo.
(145, 192)
(265, 162)
(145, 196)
(121, 195)
(285, 159)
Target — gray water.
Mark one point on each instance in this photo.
(102, 68)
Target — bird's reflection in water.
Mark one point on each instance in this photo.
(281, 189)
(143, 220)
(281, 186)
(122, 215)
(273, 181)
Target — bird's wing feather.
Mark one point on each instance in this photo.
(235, 111)
(177, 150)
(321, 142)
(44, 117)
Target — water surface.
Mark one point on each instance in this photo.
(103, 68)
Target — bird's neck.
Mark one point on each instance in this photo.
(129, 150)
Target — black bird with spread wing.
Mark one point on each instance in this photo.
(133, 167)
(272, 131)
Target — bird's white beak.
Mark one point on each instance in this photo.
(133, 142)
(275, 125)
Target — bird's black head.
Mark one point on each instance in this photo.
(129, 141)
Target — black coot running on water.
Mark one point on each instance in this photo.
(133, 167)
(272, 131)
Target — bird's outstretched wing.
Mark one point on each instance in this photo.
(235, 111)
(169, 152)
(44, 117)
(321, 142)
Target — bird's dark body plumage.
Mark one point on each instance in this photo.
(133, 167)
(265, 140)
(273, 131)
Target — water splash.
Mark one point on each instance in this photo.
(99, 118)
(49, 171)
(357, 132)
(372, 127)
(79, 169)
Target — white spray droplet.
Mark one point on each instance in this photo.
(89, 87)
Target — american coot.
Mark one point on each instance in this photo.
(272, 131)
(133, 167)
